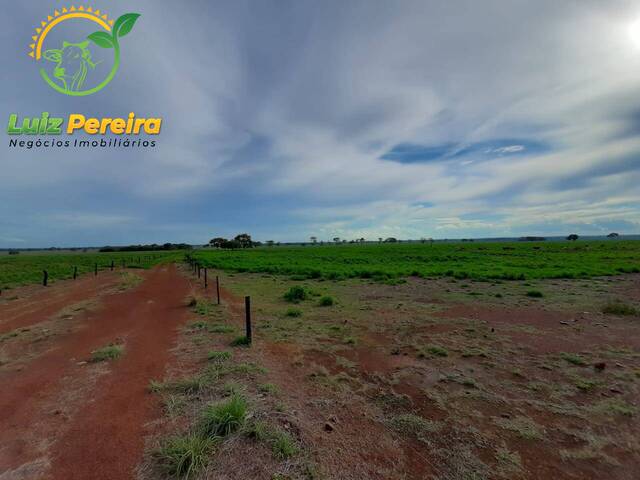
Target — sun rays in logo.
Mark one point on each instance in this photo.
(67, 65)
(59, 16)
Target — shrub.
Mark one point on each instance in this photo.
(535, 294)
(619, 308)
(296, 294)
(326, 301)
(293, 312)
(223, 418)
(110, 352)
(185, 456)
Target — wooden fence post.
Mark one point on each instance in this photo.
(218, 288)
(96, 270)
(206, 283)
(45, 278)
(112, 265)
(75, 272)
(247, 308)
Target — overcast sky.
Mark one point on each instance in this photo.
(371, 118)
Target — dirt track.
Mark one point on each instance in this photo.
(63, 418)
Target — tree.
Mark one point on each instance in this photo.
(217, 242)
(391, 240)
(379, 239)
(336, 239)
(314, 240)
(613, 235)
(270, 243)
(362, 240)
(244, 239)
(573, 237)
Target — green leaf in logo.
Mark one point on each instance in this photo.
(124, 24)
(102, 39)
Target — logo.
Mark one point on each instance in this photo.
(74, 58)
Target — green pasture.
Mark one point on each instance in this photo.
(27, 268)
(477, 260)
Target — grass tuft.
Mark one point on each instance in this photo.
(218, 357)
(293, 312)
(223, 418)
(434, 350)
(185, 456)
(573, 359)
(241, 341)
(619, 308)
(110, 352)
(535, 294)
(413, 425)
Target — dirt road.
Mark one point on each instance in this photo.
(62, 418)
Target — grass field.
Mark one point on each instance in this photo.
(508, 261)
(25, 269)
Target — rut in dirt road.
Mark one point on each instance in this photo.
(104, 436)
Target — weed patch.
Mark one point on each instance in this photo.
(110, 352)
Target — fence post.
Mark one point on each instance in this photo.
(247, 307)
(75, 272)
(198, 270)
(218, 288)
(206, 283)
(96, 270)
(112, 265)
(45, 278)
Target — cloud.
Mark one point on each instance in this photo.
(338, 118)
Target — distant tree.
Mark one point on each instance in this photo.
(270, 243)
(422, 240)
(391, 240)
(314, 240)
(231, 244)
(336, 239)
(362, 240)
(613, 235)
(379, 239)
(244, 239)
(573, 237)
(217, 242)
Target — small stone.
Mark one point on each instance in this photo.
(505, 415)
(600, 366)
(328, 427)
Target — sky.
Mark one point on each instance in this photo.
(291, 119)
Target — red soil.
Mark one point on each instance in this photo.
(37, 303)
(100, 433)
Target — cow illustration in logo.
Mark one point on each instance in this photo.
(73, 63)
